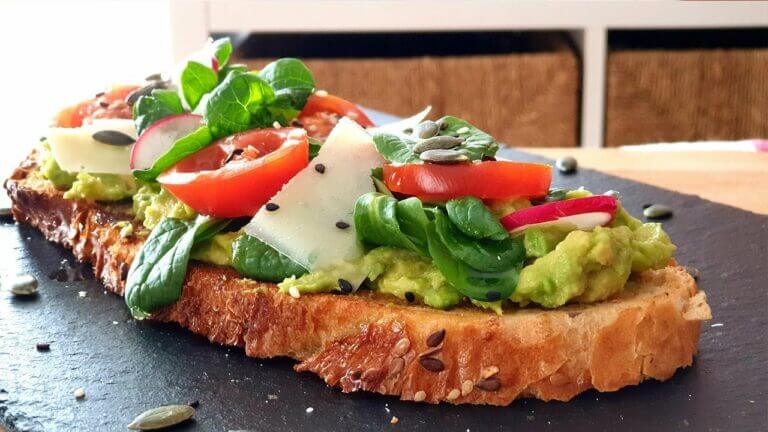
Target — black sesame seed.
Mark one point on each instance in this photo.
(271, 206)
(410, 297)
(99, 94)
(43, 346)
(342, 225)
(320, 168)
(104, 104)
(345, 286)
(492, 295)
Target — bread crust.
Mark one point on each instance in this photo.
(376, 343)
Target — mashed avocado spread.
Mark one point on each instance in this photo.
(564, 265)
(152, 203)
(86, 186)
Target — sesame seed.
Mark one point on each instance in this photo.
(321, 93)
(82, 293)
(345, 286)
(394, 420)
(294, 292)
(271, 206)
(410, 297)
(320, 168)
(43, 346)
(79, 393)
(277, 125)
(342, 225)
(309, 410)
(115, 323)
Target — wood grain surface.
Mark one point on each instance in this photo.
(737, 179)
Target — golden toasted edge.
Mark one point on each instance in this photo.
(375, 343)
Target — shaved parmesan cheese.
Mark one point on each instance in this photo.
(313, 224)
(75, 150)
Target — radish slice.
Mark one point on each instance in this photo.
(399, 126)
(159, 138)
(585, 213)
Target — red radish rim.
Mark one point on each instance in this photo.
(560, 209)
(158, 124)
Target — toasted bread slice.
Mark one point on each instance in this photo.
(378, 343)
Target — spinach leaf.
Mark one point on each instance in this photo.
(477, 285)
(196, 81)
(413, 222)
(182, 148)
(156, 276)
(239, 103)
(396, 148)
(482, 255)
(222, 50)
(224, 71)
(474, 219)
(477, 144)
(376, 222)
(293, 84)
(159, 104)
(255, 259)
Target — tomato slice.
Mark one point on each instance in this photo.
(322, 112)
(484, 180)
(238, 174)
(110, 104)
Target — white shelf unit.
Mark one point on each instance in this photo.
(193, 21)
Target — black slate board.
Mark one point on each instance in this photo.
(126, 367)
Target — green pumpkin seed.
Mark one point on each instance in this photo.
(426, 129)
(23, 285)
(657, 211)
(154, 77)
(162, 417)
(113, 137)
(435, 143)
(566, 165)
(443, 156)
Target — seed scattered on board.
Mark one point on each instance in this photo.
(23, 285)
(161, 417)
(79, 393)
(566, 165)
(657, 211)
(43, 346)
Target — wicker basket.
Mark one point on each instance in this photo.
(524, 99)
(686, 95)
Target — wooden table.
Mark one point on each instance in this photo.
(739, 179)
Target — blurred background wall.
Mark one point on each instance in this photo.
(534, 73)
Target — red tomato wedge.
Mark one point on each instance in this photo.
(110, 104)
(238, 174)
(584, 213)
(322, 111)
(484, 180)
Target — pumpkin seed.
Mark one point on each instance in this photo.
(657, 211)
(145, 91)
(113, 137)
(566, 165)
(444, 156)
(426, 129)
(23, 285)
(435, 143)
(154, 77)
(162, 417)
